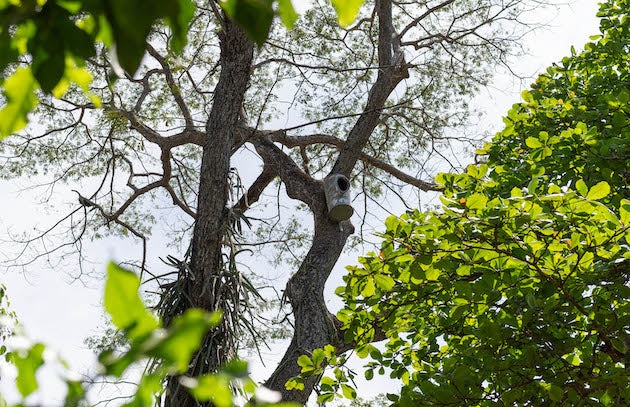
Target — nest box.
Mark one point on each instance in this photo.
(337, 191)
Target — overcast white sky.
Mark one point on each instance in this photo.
(61, 313)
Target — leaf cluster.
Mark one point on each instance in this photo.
(171, 348)
(574, 122)
(499, 301)
(55, 38)
(7, 319)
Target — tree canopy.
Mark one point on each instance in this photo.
(516, 292)
(58, 37)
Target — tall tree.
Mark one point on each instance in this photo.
(373, 102)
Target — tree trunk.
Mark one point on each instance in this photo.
(314, 326)
(206, 290)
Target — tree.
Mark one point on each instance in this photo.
(517, 291)
(377, 98)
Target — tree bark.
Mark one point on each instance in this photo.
(315, 326)
(206, 257)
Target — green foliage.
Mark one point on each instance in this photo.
(574, 123)
(124, 305)
(7, 319)
(517, 291)
(346, 10)
(496, 303)
(52, 31)
(60, 35)
(342, 382)
(19, 91)
(172, 348)
(256, 16)
(27, 364)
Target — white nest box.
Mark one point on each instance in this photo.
(337, 191)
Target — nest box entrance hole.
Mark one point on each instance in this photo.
(343, 184)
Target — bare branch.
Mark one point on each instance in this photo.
(252, 194)
(424, 15)
(175, 91)
(301, 141)
(299, 185)
(391, 73)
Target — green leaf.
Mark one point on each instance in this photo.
(533, 185)
(75, 393)
(533, 142)
(581, 187)
(346, 10)
(215, 388)
(305, 362)
(391, 223)
(574, 360)
(19, 90)
(78, 42)
(555, 392)
(8, 54)
(624, 212)
(598, 191)
(27, 366)
(131, 22)
(433, 274)
(363, 351)
(180, 13)
(531, 300)
(441, 178)
(606, 398)
(123, 303)
(464, 270)
(182, 339)
(375, 353)
(369, 288)
(294, 384)
(318, 357)
(49, 71)
(619, 119)
(254, 16)
(236, 368)
(383, 282)
(325, 397)
(287, 13)
(477, 171)
(476, 201)
(47, 46)
(148, 388)
(348, 392)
